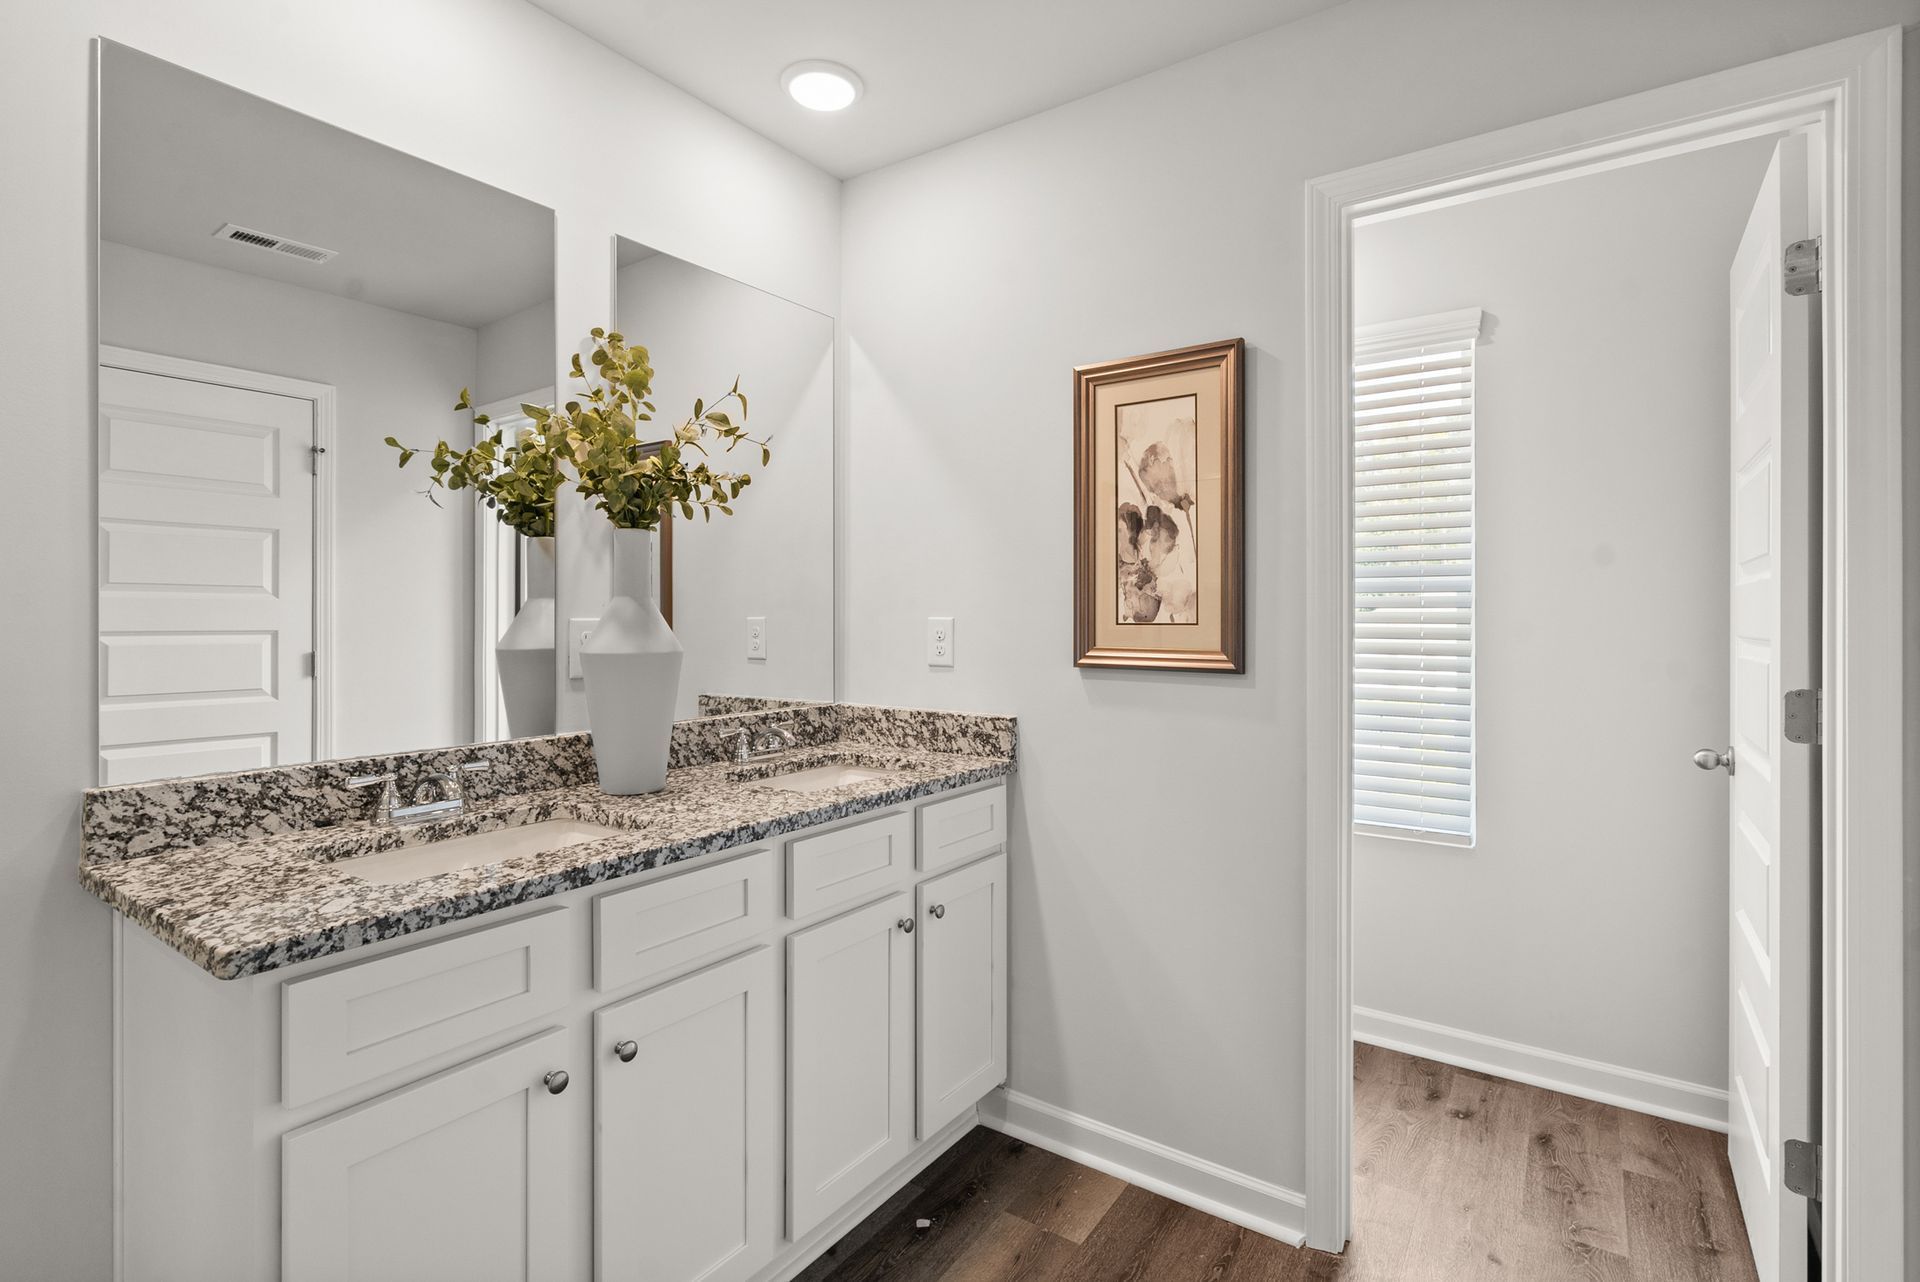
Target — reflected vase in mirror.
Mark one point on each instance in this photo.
(632, 664)
(525, 650)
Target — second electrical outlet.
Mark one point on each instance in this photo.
(940, 643)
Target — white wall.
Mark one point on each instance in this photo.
(1590, 917)
(492, 88)
(1155, 932)
(402, 568)
(516, 354)
(773, 558)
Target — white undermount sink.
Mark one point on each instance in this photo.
(411, 863)
(821, 778)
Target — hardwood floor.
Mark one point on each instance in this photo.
(1458, 1177)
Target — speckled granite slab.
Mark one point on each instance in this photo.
(262, 893)
(132, 820)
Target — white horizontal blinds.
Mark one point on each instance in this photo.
(1413, 576)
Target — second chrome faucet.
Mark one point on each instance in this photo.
(440, 795)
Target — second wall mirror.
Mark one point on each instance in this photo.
(750, 596)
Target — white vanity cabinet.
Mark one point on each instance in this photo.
(462, 1175)
(689, 1071)
(962, 1014)
(850, 1001)
(670, 1078)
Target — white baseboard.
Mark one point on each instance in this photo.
(1241, 1199)
(1667, 1097)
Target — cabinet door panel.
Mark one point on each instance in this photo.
(686, 1133)
(460, 1175)
(963, 990)
(850, 1057)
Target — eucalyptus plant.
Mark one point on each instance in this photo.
(633, 481)
(518, 478)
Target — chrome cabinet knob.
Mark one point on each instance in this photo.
(625, 1051)
(1708, 759)
(905, 924)
(556, 1081)
(938, 911)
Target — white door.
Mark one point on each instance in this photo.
(206, 577)
(686, 1142)
(463, 1175)
(963, 990)
(1774, 650)
(849, 1057)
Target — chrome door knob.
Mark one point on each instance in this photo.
(938, 910)
(556, 1081)
(905, 924)
(1708, 759)
(625, 1051)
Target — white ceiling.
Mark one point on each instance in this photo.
(180, 155)
(934, 72)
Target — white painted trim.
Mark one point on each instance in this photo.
(487, 622)
(1668, 1097)
(1191, 1181)
(1462, 326)
(325, 416)
(1848, 93)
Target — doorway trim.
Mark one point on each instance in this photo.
(325, 417)
(1848, 95)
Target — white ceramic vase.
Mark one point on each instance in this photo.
(632, 664)
(524, 654)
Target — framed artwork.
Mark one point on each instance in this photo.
(1158, 574)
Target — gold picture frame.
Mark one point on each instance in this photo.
(1159, 511)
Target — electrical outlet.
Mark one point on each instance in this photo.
(756, 637)
(577, 633)
(939, 643)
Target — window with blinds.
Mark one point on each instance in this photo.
(1413, 577)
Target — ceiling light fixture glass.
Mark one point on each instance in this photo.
(821, 86)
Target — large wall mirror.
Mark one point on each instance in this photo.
(750, 596)
(277, 297)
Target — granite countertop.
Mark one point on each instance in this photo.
(263, 901)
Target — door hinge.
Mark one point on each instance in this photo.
(313, 457)
(1802, 1173)
(307, 664)
(1801, 716)
(1801, 263)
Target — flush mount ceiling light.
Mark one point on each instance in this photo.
(821, 86)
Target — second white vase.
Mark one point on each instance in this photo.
(524, 654)
(632, 665)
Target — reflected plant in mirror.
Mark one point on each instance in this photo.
(517, 479)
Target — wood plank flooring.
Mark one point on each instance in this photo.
(1458, 1177)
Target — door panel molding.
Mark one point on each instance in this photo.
(325, 418)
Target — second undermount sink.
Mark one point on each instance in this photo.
(821, 778)
(411, 863)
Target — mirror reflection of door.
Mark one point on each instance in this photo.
(207, 565)
(253, 264)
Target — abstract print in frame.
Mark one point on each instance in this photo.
(1157, 500)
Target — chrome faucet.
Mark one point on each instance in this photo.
(441, 795)
(773, 741)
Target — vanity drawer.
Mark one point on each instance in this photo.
(648, 929)
(961, 828)
(362, 1021)
(840, 866)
